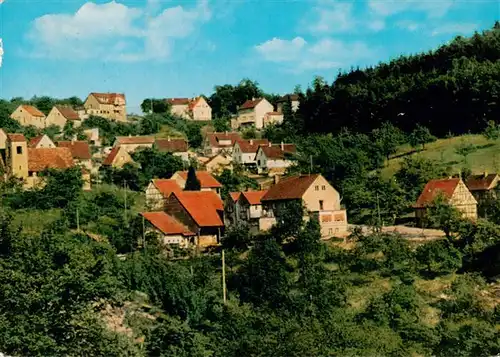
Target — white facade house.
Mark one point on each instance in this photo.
(252, 112)
(244, 151)
(276, 156)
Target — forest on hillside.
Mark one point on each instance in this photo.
(453, 89)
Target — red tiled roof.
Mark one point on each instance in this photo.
(68, 112)
(435, 187)
(215, 138)
(135, 140)
(49, 158)
(250, 104)
(177, 101)
(33, 111)
(111, 156)
(108, 98)
(205, 178)
(202, 206)
(166, 186)
(290, 188)
(251, 146)
(291, 97)
(235, 195)
(79, 149)
(275, 152)
(480, 182)
(254, 197)
(166, 224)
(34, 141)
(172, 145)
(16, 138)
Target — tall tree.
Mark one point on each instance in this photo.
(192, 182)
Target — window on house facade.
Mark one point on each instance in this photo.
(321, 204)
(316, 188)
(19, 149)
(323, 187)
(330, 231)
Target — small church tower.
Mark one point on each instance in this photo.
(17, 156)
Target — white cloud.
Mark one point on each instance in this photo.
(408, 25)
(376, 25)
(332, 17)
(459, 28)
(299, 55)
(433, 8)
(114, 31)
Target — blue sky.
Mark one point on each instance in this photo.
(167, 48)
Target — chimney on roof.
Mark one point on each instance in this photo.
(485, 173)
(282, 146)
(276, 179)
(168, 138)
(129, 135)
(253, 98)
(251, 141)
(226, 132)
(270, 144)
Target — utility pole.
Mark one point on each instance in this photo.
(77, 220)
(223, 277)
(152, 106)
(378, 213)
(125, 200)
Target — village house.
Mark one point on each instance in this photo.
(482, 186)
(190, 108)
(244, 151)
(455, 193)
(93, 136)
(59, 115)
(41, 141)
(249, 209)
(131, 143)
(117, 157)
(252, 113)
(219, 142)
(273, 118)
(293, 99)
(80, 150)
(169, 229)
(218, 163)
(27, 163)
(231, 212)
(158, 191)
(321, 201)
(29, 115)
(207, 181)
(201, 211)
(274, 156)
(107, 105)
(178, 147)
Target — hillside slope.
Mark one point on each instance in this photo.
(486, 156)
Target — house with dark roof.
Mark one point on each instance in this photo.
(41, 141)
(252, 113)
(219, 142)
(274, 156)
(453, 191)
(207, 181)
(178, 147)
(117, 157)
(321, 201)
(158, 191)
(190, 108)
(59, 115)
(483, 188)
(29, 115)
(293, 99)
(169, 229)
(107, 105)
(244, 151)
(202, 212)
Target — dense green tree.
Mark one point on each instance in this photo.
(420, 136)
(192, 182)
(157, 106)
(439, 257)
(387, 139)
(492, 131)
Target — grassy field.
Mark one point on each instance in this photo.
(485, 158)
(167, 131)
(34, 221)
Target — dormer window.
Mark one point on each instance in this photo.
(19, 149)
